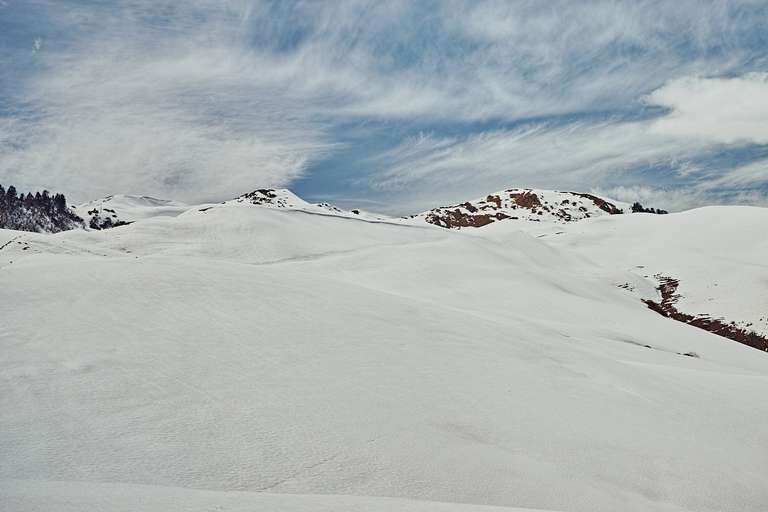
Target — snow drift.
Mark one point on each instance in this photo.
(236, 355)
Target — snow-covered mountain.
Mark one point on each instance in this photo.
(514, 204)
(287, 200)
(270, 354)
(521, 204)
(122, 209)
(546, 206)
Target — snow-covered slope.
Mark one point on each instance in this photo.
(33, 496)
(520, 204)
(286, 200)
(123, 209)
(233, 348)
(718, 255)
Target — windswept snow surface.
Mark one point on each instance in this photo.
(34, 496)
(719, 254)
(234, 356)
(127, 208)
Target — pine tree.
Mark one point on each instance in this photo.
(60, 202)
(10, 197)
(46, 201)
(39, 212)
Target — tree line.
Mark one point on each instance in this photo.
(639, 208)
(39, 211)
(43, 200)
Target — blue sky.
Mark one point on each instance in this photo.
(391, 106)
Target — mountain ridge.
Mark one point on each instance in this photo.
(516, 204)
(527, 204)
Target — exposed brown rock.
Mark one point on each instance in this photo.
(494, 199)
(457, 219)
(534, 206)
(526, 199)
(666, 307)
(601, 203)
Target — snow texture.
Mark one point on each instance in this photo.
(236, 357)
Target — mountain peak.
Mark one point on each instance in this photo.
(274, 198)
(282, 198)
(526, 204)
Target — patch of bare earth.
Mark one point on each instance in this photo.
(458, 219)
(667, 307)
(525, 199)
(469, 215)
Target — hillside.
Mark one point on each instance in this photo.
(713, 253)
(287, 200)
(119, 210)
(531, 205)
(292, 350)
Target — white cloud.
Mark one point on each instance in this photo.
(678, 199)
(204, 99)
(586, 156)
(744, 176)
(537, 156)
(726, 110)
(156, 113)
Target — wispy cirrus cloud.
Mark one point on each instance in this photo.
(704, 116)
(144, 109)
(204, 99)
(538, 155)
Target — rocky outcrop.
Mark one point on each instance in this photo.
(667, 307)
(276, 198)
(520, 204)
